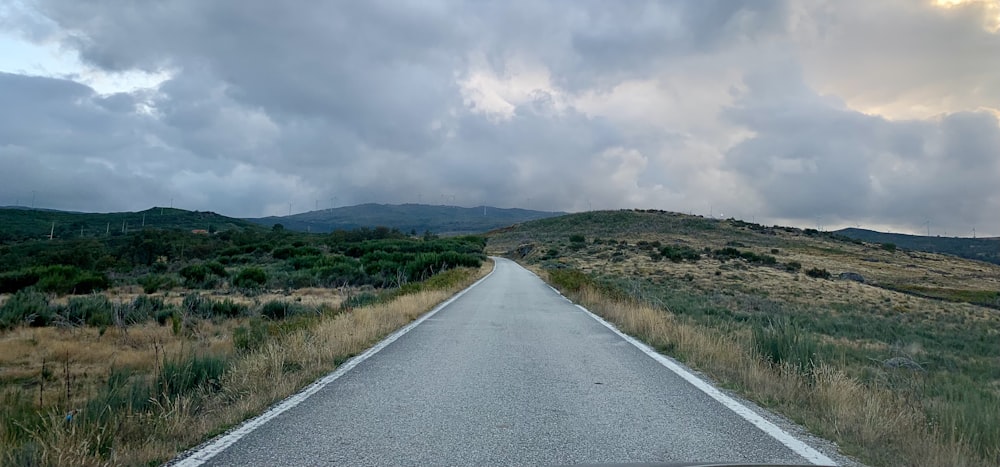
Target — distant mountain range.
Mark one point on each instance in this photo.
(983, 249)
(446, 220)
(21, 223)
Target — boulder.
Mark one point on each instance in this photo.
(852, 276)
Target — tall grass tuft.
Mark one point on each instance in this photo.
(780, 342)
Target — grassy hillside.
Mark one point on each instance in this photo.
(419, 218)
(18, 224)
(982, 249)
(896, 365)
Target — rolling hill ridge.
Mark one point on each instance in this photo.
(407, 218)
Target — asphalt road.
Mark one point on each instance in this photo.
(510, 373)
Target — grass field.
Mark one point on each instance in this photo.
(915, 348)
(140, 394)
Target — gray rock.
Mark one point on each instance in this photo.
(852, 276)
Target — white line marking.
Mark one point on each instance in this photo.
(798, 447)
(203, 454)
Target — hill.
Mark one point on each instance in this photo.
(17, 223)
(906, 339)
(447, 220)
(982, 249)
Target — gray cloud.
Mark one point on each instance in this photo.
(747, 105)
(817, 158)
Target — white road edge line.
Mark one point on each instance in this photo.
(807, 452)
(204, 453)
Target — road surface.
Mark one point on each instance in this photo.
(510, 373)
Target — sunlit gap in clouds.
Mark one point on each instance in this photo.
(48, 59)
(991, 10)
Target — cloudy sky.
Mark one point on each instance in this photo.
(831, 113)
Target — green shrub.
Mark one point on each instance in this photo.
(217, 269)
(11, 282)
(577, 238)
(70, 279)
(283, 252)
(793, 266)
(250, 278)
(341, 274)
(165, 315)
(890, 247)
(94, 310)
(194, 274)
(197, 305)
(228, 309)
(26, 307)
(152, 283)
(818, 273)
(57, 279)
(277, 309)
(678, 253)
(147, 306)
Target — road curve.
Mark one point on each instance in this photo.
(510, 373)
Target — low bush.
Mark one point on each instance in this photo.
(26, 307)
(228, 309)
(678, 253)
(152, 283)
(57, 279)
(184, 375)
(277, 309)
(818, 273)
(793, 266)
(250, 278)
(166, 315)
(196, 305)
(94, 310)
(194, 274)
(147, 306)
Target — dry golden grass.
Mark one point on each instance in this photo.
(252, 382)
(827, 401)
(309, 296)
(84, 356)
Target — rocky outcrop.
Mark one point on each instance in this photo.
(852, 276)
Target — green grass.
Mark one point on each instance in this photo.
(988, 298)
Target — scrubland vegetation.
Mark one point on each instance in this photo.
(898, 362)
(128, 349)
